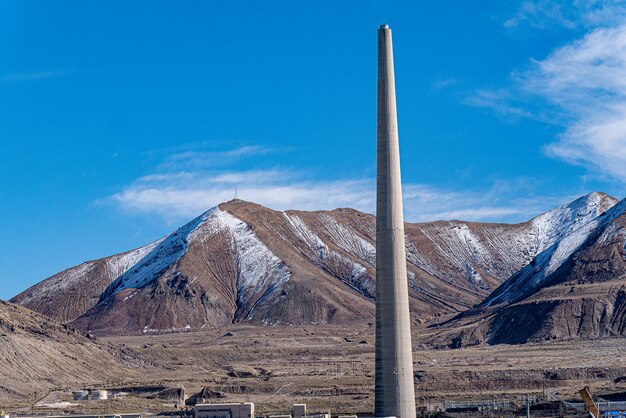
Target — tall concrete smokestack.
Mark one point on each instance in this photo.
(395, 395)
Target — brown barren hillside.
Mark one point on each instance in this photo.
(243, 263)
(574, 289)
(37, 355)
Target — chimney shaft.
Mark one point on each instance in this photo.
(394, 394)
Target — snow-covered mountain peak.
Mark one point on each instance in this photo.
(533, 277)
(259, 273)
(559, 222)
(166, 253)
(259, 270)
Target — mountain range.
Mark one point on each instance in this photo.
(243, 263)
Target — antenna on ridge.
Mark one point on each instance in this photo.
(235, 191)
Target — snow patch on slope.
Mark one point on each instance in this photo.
(351, 273)
(496, 252)
(457, 244)
(258, 269)
(473, 276)
(118, 265)
(566, 246)
(562, 221)
(115, 266)
(532, 277)
(59, 282)
(163, 255)
(415, 257)
(349, 240)
(470, 241)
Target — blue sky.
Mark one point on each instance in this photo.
(120, 121)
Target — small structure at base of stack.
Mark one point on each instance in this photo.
(90, 394)
(224, 410)
(299, 410)
(246, 410)
(81, 395)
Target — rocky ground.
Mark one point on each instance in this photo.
(331, 367)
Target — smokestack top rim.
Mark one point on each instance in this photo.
(385, 26)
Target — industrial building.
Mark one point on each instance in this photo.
(224, 410)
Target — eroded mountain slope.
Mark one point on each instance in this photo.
(576, 288)
(241, 262)
(70, 293)
(38, 354)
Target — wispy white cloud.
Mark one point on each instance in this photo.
(500, 203)
(500, 101)
(183, 195)
(588, 80)
(539, 14)
(569, 14)
(580, 86)
(179, 195)
(202, 159)
(444, 82)
(33, 75)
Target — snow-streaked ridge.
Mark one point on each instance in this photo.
(115, 266)
(259, 270)
(557, 223)
(464, 247)
(163, 255)
(533, 276)
(59, 282)
(350, 272)
(349, 240)
(119, 265)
